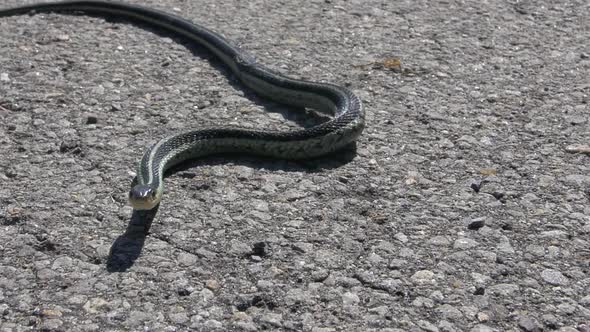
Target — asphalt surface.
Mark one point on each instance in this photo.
(465, 207)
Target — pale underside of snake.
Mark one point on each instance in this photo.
(343, 128)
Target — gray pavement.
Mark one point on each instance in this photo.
(466, 206)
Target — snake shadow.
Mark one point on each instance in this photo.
(128, 246)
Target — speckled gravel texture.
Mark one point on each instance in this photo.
(461, 209)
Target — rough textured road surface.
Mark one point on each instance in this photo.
(466, 206)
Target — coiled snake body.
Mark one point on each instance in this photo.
(345, 126)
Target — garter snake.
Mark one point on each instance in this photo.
(344, 127)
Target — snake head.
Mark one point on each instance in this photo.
(143, 197)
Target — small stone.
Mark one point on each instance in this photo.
(320, 275)
(482, 328)
(260, 249)
(465, 243)
(476, 224)
(528, 324)
(264, 284)
(427, 326)
(479, 278)
(62, 263)
(505, 247)
(179, 318)
(91, 119)
(4, 77)
(439, 240)
(421, 301)
(566, 308)
(257, 204)
(578, 179)
(203, 104)
(554, 277)
(297, 296)
(184, 291)
(78, 299)
(347, 282)
(206, 295)
(550, 321)
(401, 237)
(437, 296)
(240, 315)
(50, 325)
(386, 246)
(4, 309)
(504, 289)
(137, 317)
(98, 90)
(246, 326)
(449, 312)
(349, 298)
(397, 264)
(492, 98)
(303, 247)
(554, 234)
(576, 119)
(212, 324)
(483, 317)
(116, 107)
(240, 248)
(498, 195)
(374, 258)
(51, 313)
(382, 311)
(488, 171)
(272, 319)
(186, 259)
(94, 305)
(293, 195)
(212, 284)
(47, 274)
(446, 326)
(68, 145)
(476, 186)
(423, 277)
(323, 329)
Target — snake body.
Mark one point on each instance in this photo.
(344, 127)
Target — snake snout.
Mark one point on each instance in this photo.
(141, 191)
(143, 197)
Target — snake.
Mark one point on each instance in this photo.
(346, 118)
